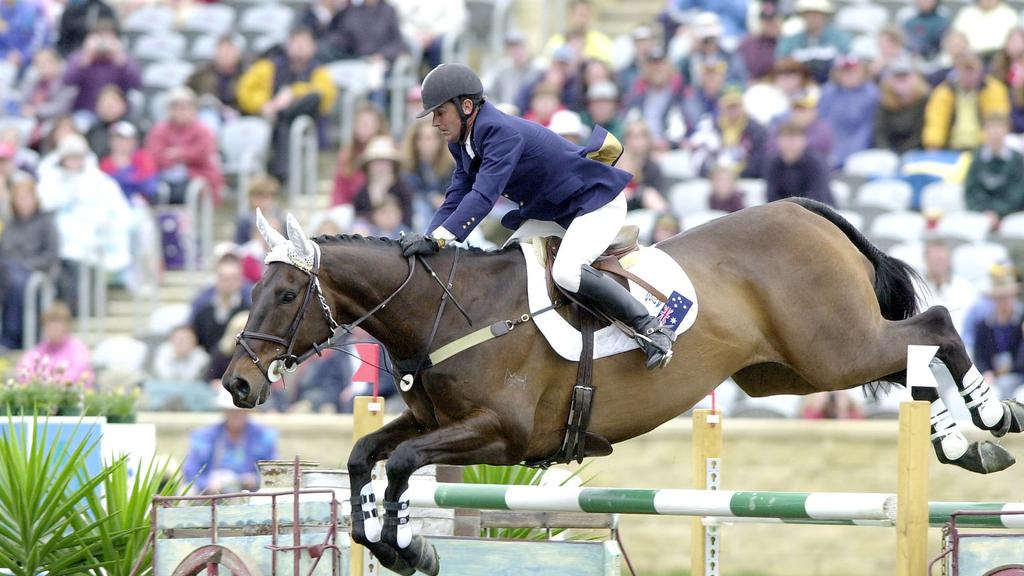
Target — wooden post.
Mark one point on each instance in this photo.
(367, 416)
(707, 452)
(912, 491)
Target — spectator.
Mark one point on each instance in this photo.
(943, 287)
(665, 227)
(216, 83)
(92, 214)
(427, 24)
(925, 29)
(179, 358)
(111, 108)
(646, 189)
(24, 31)
(102, 60)
(593, 44)
(544, 103)
(643, 41)
(997, 343)
(561, 75)
(381, 163)
(603, 108)
(321, 17)
(725, 195)
(986, 25)
(816, 130)
(767, 102)
(797, 171)
(29, 244)
(591, 72)
(702, 102)
(427, 167)
(952, 118)
(184, 148)
(283, 88)
(77, 21)
(657, 98)
(1008, 67)
(349, 177)
(838, 405)
(43, 93)
(264, 191)
(370, 29)
(848, 105)
(133, 168)
(891, 46)
(899, 117)
(58, 129)
(732, 13)
(743, 141)
(758, 50)
(708, 32)
(504, 81)
(60, 354)
(819, 44)
(386, 219)
(213, 307)
(222, 458)
(995, 180)
(954, 45)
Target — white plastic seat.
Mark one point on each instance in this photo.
(967, 226)
(903, 226)
(153, 18)
(973, 261)
(167, 317)
(120, 353)
(160, 46)
(166, 74)
(889, 195)
(353, 75)
(1012, 226)
(213, 19)
(244, 138)
(688, 197)
(854, 218)
(695, 219)
(204, 47)
(872, 163)
(272, 19)
(841, 193)
(910, 252)
(755, 191)
(945, 196)
(643, 219)
(676, 165)
(267, 41)
(862, 18)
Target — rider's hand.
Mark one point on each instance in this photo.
(413, 244)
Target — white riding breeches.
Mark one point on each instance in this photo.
(587, 238)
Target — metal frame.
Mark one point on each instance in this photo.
(303, 152)
(953, 536)
(39, 293)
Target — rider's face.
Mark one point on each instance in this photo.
(446, 120)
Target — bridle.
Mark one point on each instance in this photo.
(287, 361)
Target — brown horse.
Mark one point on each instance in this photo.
(793, 300)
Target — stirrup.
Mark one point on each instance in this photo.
(658, 356)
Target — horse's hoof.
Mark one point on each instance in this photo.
(390, 559)
(983, 458)
(422, 555)
(1013, 419)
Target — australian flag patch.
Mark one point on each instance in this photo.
(673, 312)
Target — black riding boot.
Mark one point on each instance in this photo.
(610, 298)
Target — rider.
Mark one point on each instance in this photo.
(550, 179)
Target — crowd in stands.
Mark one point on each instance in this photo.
(779, 92)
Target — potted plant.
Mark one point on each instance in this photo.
(117, 404)
(42, 389)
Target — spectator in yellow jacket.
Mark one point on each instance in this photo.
(284, 86)
(954, 113)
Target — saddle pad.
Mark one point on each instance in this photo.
(653, 265)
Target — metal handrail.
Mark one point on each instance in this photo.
(147, 272)
(84, 293)
(303, 148)
(402, 78)
(39, 289)
(199, 208)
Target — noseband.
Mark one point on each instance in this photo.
(287, 361)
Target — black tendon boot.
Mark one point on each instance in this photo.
(610, 298)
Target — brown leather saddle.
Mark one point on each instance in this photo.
(579, 442)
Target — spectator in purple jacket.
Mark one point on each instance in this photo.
(805, 113)
(102, 60)
(796, 171)
(848, 104)
(758, 50)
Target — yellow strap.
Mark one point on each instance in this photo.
(462, 344)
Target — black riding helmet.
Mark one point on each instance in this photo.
(451, 83)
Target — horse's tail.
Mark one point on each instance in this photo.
(894, 279)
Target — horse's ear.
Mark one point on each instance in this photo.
(297, 237)
(272, 237)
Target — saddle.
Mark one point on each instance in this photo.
(579, 442)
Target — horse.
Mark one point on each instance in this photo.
(793, 300)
